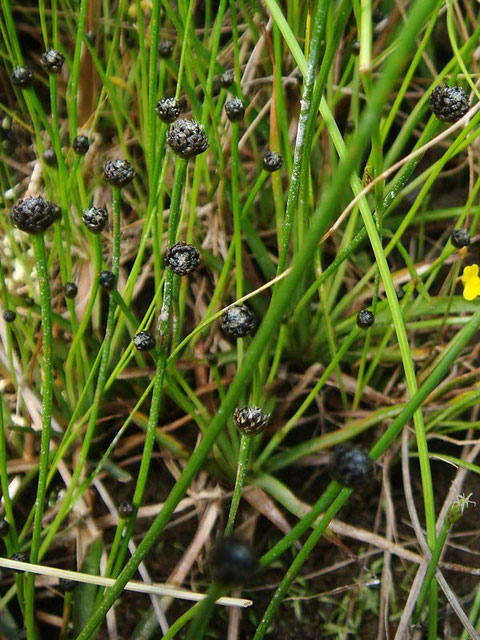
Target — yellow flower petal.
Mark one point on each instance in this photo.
(470, 272)
(472, 288)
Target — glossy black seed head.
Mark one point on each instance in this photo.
(272, 161)
(125, 509)
(168, 110)
(66, 585)
(235, 110)
(49, 157)
(107, 280)
(144, 341)
(232, 563)
(20, 556)
(95, 219)
(52, 61)
(34, 214)
(250, 420)
(9, 315)
(226, 79)
(118, 172)
(460, 238)
(449, 103)
(4, 528)
(22, 77)
(165, 48)
(187, 138)
(182, 258)
(365, 319)
(238, 322)
(81, 145)
(70, 290)
(351, 467)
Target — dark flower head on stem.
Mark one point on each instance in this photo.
(95, 219)
(182, 258)
(449, 103)
(52, 61)
(165, 48)
(238, 321)
(9, 315)
(365, 319)
(34, 214)
(22, 77)
(235, 110)
(107, 280)
(70, 290)
(233, 563)
(81, 145)
(118, 172)
(250, 421)
(187, 138)
(144, 341)
(226, 79)
(351, 467)
(125, 509)
(272, 161)
(460, 238)
(168, 110)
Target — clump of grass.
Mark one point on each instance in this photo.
(206, 317)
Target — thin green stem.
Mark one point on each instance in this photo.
(47, 397)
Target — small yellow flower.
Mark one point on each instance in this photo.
(471, 282)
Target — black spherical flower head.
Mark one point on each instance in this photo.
(238, 322)
(232, 563)
(168, 110)
(9, 315)
(235, 110)
(272, 161)
(165, 48)
(95, 219)
(20, 556)
(49, 157)
(144, 341)
(107, 280)
(365, 319)
(66, 585)
(226, 79)
(81, 145)
(460, 238)
(449, 103)
(34, 214)
(182, 258)
(125, 509)
(351, 467)
(250, 420)
(22, 77)
(4, 528)
(52, 61)
(118, 172)
(187, 138)
(70, 290)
